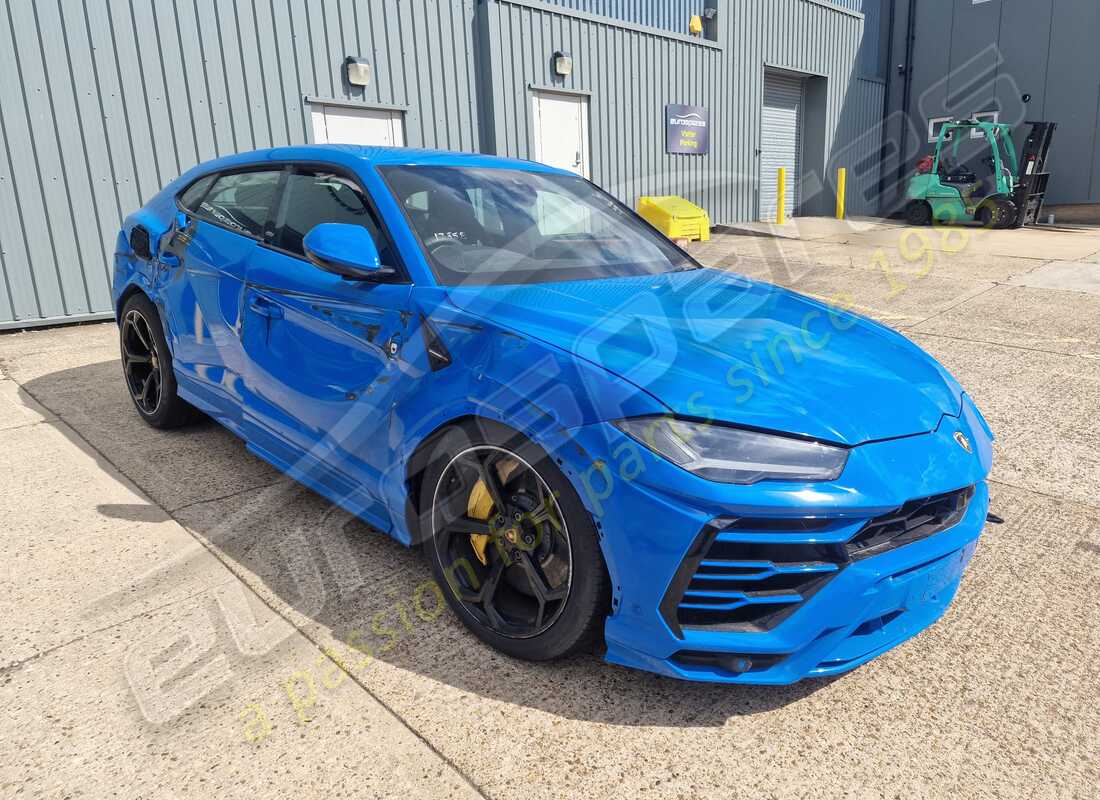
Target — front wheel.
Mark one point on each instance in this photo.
(147, 366)
(515, 552)
(1006, 213)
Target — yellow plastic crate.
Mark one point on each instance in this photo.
(675, 217)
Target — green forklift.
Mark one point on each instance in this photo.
(974, 176)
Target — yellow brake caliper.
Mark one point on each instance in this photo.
(480, 506)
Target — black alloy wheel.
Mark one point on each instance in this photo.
(140, 363)
(499, 532)
(147, 366)
(513, 549)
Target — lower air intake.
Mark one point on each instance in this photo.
(728, 583)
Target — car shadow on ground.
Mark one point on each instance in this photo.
(339, 578)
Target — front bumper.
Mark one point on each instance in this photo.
(651, 519)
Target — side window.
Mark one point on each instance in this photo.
(417, 201)
(241, 201)
(314, 197)
(195, 192)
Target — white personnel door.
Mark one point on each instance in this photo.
(352, 125)
(780, 142)
(561, 130)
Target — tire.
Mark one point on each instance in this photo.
(1020, 218)
(147, 366)
(494, 593)
(987, 216)
(918, 213)
(1006, 213)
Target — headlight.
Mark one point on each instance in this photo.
(735, 455)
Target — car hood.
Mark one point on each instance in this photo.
(714, 345)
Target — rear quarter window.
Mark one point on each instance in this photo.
(241, 201)
(193, 194)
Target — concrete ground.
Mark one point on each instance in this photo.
(177, 615)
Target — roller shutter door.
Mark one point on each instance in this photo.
(781, 141)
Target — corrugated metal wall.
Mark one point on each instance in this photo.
(858, 145)
(671, 15)
(103, 103)
(758, 33)
(871, 52)
(633, 73)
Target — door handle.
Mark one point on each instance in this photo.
(264, 308)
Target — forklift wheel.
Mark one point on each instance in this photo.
(1008, 213)
(918, 212)
(987, 216)
(997, 212)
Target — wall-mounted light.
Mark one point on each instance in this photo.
(563, 63)
(358, 71)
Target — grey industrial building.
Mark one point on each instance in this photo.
(102, 102)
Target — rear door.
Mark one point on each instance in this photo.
(324, 352)
(226, 216)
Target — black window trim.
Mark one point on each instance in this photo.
(277, 211)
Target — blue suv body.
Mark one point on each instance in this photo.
(719, 479)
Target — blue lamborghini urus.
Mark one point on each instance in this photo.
(596, 442)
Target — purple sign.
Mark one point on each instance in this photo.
(687, 129)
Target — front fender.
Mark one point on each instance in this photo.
(531, 387)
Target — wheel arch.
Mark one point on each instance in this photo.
(137, 286)
(418, 462)
(124, 298)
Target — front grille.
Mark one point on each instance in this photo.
(737, 576)
(917, 519)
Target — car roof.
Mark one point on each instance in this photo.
(353, 155)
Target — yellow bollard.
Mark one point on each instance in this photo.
(781, 197)
(841, 185)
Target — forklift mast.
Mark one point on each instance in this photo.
(1031, 185)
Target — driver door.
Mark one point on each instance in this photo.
(324, 352)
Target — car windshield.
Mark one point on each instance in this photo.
(487, 226)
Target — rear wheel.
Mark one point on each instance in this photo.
(918, 212)
(515, 552)
(147, 366)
